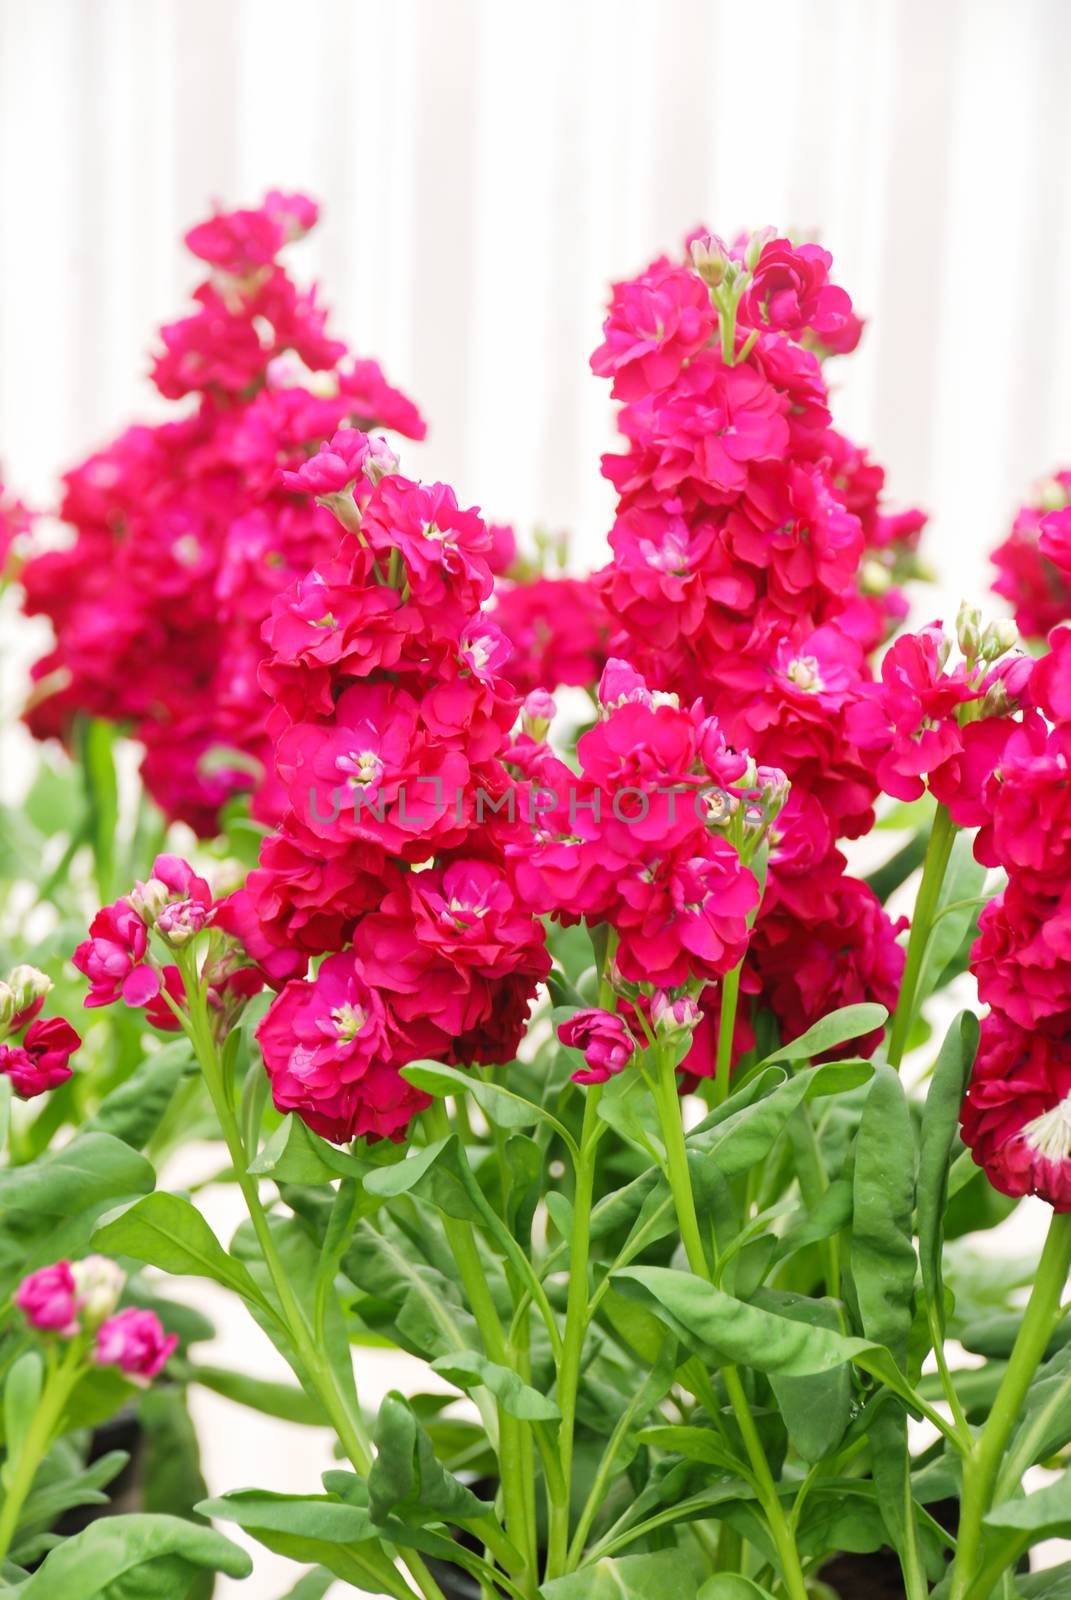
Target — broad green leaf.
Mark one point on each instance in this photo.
(133, 1111)
(712, 1322)
(22, 1391)
(92, 1565)
(662, 1575)
(939, 1123)
(312, 1586)
(695, 1444)
(1015, 1526)
(957, 908)
(92, 1168)
(65, 1491)
(731, 1586)
(294, 1154)
(816, 1409)
(839, 1027)
(882, 1254)
(436, 1173)
(167, 1232)
(286, 1401)
(499, 1105)
(1053, 1583)
(314, 1516)
(407, 1480)
(468, 1369)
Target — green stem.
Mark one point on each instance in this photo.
(680, 1183)
(348, 1426)
(730, 996)
(982, 1466)
(514, 1437)
(942, 837)
(576, 1325)
(43, 1429)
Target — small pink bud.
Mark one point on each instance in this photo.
(135, 1342)
(48, 1299)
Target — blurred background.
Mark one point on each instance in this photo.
(486, 168)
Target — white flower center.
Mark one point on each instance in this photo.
(1050, 1134)
(804, 673)
(479, 653)
(348, 1020)
(362, 766)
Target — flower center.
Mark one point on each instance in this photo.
(478, 653)
(804, 673)
(363, 767)
(1050, 1134)
(669, 556)
(348, 1020)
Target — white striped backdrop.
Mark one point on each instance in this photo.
(486, 167)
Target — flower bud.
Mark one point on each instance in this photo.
(537, 714)
(673, 1017)
(148, 900)
(711, 259)
(28, 988)
(874, 578)
(7, 1007)
(99, 1283)
(380, 461)
(180, 921)
(756, 245)
(969, 630)
(998, 638)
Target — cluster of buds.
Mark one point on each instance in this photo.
(78, 1301)
(342, 473)
(610, 1040)
(981, 646)
(38, 1060)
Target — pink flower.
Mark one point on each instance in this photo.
(1050, 681)
(1054, 538)
(1022, 956)
(558, 628)
(113, 958)
(48, 1299)
(1016, 1118)
(375, 403)
(335, 468)
(39, 1063)
(237, 242)
(656, 323)
(332, 1052)
(908, 721)
(605, 1040)
(790, 291)
(685, 916)
(444, 548)
(135, 1342)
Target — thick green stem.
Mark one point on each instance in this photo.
(730, 996)
(680, 1183)
(982, 1466)
(942, 837)
(47, 1420)
(514, 1437)
(315, 1367)
(576, 1324)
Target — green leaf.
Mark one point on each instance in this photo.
(283, 1400)
(96, 748)
(731, 1586)
(882, 1254)
(1053, 1583)
(695, 1444)
(163, 1552)
(816, 1409)
(133, 1111)
(50, 1499)
(314, 1516)
(1016, 1525)
(312, 1586)
(22, 1392)
(714, 1323)
(957, 908)
(839, 1027)
(406, 1478)
(498, 1104)
(468, 1370)
(92, 1168)
(939, 1123)
(434, 1172)
(294, 1154)
(167, 1232)
(657, 1576)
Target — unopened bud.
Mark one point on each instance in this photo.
(1000, 637)
(28, 988)
(1053, 495)
(537, 714)
(99, 1283)
(149, 899)
(969, 630)
(711, 259)
(671, 1017)
(380, 461)
(874, 579)
(180, 921)
(756, 245)
(7, 1007)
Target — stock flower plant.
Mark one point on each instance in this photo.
(570, 1056)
